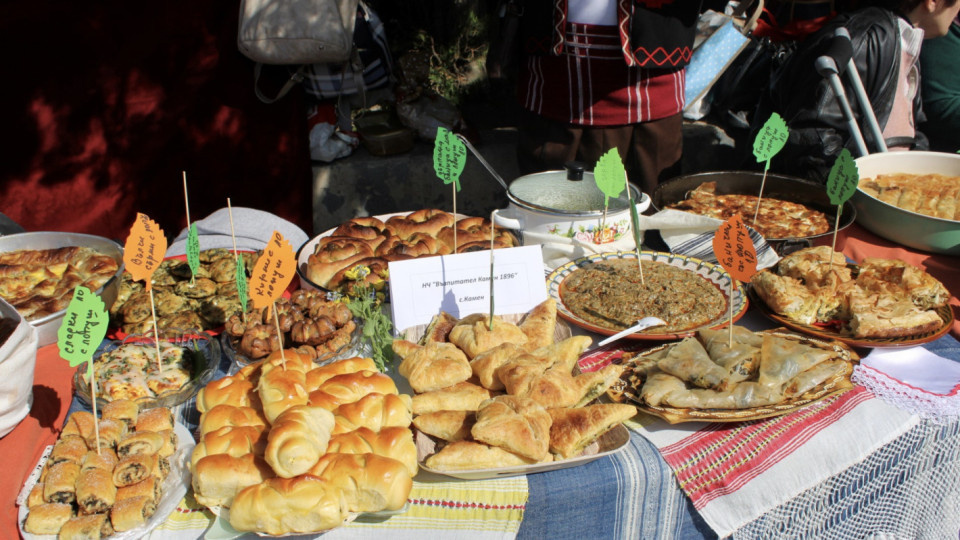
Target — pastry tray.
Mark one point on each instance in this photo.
(623, 392)
(175, 486)
(611, 441)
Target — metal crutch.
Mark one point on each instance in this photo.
(839, 59)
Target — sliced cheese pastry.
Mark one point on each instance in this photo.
(574, 429)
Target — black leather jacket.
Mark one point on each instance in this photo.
(818, 128)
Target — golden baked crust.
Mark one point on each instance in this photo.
(573, 430)
(431, 367)
(463, 396)
(469, 455)
(473, 334)
(886, 298)
(370, 242)
(41, 282)
(516, 424)
(447, 425)
(776, 218)
(929, 194)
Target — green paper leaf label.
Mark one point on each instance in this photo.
(449, 157)
(843, 178)
(83, 328)
(771, 138)
(609, 174)
(240, 275)
(193, 249)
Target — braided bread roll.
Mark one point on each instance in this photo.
(280, 506)
(379, 273)
(370, 483)
(392, 442)
(416, 245)
(228, 415)
(317, 376)
(235, 441)
(281, 389)
(350, 387)
(475, 230)
(428, 220)
(218, 478)
(366, 228)
(297, 439)
(333, 253)
(234, 390)
(374, 411)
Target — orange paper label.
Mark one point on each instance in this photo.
(273, 272)
(734, 249)
(144, 250)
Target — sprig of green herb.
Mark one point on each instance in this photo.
(377, 327)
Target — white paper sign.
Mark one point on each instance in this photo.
(460, 285)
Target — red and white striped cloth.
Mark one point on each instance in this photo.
(736, 472)
(590, 84)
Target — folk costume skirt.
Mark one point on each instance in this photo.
(586, 100)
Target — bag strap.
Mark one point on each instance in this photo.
(295, 79)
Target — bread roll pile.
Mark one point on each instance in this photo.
(505, 394)
(291, 447)
(83, 493)
(373, 243)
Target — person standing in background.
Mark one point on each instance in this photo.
(601, 74)
(940, 88)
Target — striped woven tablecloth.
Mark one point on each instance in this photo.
(792, 476)
(485, 509)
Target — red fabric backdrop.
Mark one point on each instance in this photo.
(105, 103)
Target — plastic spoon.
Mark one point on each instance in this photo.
(642, 324)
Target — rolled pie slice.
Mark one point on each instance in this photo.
(131, 513)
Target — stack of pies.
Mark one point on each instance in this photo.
(373, 243)
(882, 298)
(291, 447)
(90, 492)
(505, 396)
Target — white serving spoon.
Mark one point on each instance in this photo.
(642, 324)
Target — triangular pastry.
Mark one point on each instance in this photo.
(574, 429)
(485, 364)
(539, 325)
(516, 424)
(432, 367)
(473, 334)
(469, 455)
(463, 396)
(447, 425)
